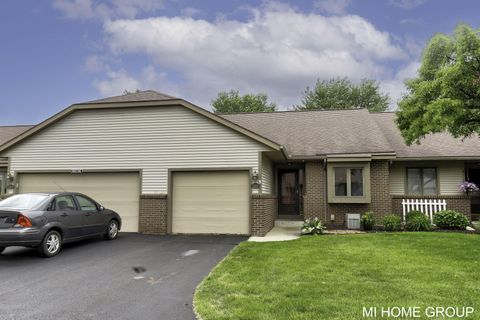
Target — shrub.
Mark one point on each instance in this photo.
(417, 221)
(449, 219)
(476, 225)
(392, 222)
(367, 220)
(313, 226)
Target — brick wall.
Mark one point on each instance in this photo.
(153, 214)
(315, 199)
(315, 195)
(264, 212)
(458, 203)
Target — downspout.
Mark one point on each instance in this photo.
(325, 204)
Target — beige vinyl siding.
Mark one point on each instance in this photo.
(151, 139)
(267, 175)
(449, 175)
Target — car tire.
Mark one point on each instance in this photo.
(2, 249)
(51, 244)
(112, 230)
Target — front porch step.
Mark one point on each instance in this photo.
(288, 223)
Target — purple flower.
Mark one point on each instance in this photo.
(468, 186)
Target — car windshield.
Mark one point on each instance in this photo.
(23, 201)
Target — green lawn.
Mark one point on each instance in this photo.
(333, 277)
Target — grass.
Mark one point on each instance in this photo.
(334, 277)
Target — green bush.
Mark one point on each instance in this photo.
(392, 222)
(476, 225)
(367, 220)
(417, 221)
(449, 219)
(313, 226)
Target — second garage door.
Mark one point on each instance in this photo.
(215, 202)
(119, 191)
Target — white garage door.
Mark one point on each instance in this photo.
(117, 191)
(211, 202)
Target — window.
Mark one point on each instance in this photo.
(348, 182)
(65, 203)
(3, 182)
(422, 181)
(86, 204)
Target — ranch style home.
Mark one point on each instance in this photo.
(168, 166)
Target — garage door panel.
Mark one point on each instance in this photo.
(117, 191)
(211, 202)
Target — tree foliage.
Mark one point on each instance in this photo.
(342, 93)
(232, 101)
(446, 94)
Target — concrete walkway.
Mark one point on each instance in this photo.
(285, 230)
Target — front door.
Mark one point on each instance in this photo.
(288, 192)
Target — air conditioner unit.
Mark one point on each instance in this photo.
(353, 220)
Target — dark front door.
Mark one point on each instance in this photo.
(288, 192)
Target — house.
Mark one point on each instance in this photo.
(168, 166)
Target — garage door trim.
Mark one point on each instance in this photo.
(170, 190)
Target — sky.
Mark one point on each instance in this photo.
(59, 52)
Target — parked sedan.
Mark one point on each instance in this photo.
(47, 220)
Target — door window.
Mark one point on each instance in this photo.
(86, 204)
(64, 203)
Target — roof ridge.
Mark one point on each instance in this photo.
(292, 111)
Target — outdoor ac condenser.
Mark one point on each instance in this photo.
(353, 220)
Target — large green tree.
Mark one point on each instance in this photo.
(232, 101)
(446, 94)
(342, 93)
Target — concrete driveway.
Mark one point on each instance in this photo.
(95, 279)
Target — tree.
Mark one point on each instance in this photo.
(446, 94)
(342, 93)
(232, 101)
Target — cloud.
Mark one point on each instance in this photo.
(395, 87)
(105, 9)
(337, 7)
(94, 63)
(407, 4)
(278, 51)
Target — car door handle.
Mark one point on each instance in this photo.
(64, 214)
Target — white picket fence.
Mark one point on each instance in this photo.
(427, 206)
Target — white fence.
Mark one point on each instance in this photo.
(427, 206)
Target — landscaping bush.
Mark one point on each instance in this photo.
(367, 220)
(392, 222)
(449, 219)
(313, 226)
(476, 225)
(417, 221)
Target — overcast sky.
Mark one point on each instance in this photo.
(55, 53)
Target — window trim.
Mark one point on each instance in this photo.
(421, 194)
(332, 198)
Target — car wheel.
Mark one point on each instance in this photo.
(2, 249)
(112, 230)
(51, 244)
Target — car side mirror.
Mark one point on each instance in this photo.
(101, 208)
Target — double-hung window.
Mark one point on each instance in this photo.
(422, 181)
(348, 182)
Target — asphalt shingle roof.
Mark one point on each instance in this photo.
(433, 145)
(311, 133)
(9, 132)
(148, 95)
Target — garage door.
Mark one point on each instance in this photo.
(211, 202)
(117, 191)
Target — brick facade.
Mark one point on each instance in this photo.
(315, 195)
(315, 199)
(460, 203)
(263, 214)
(153, 214)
